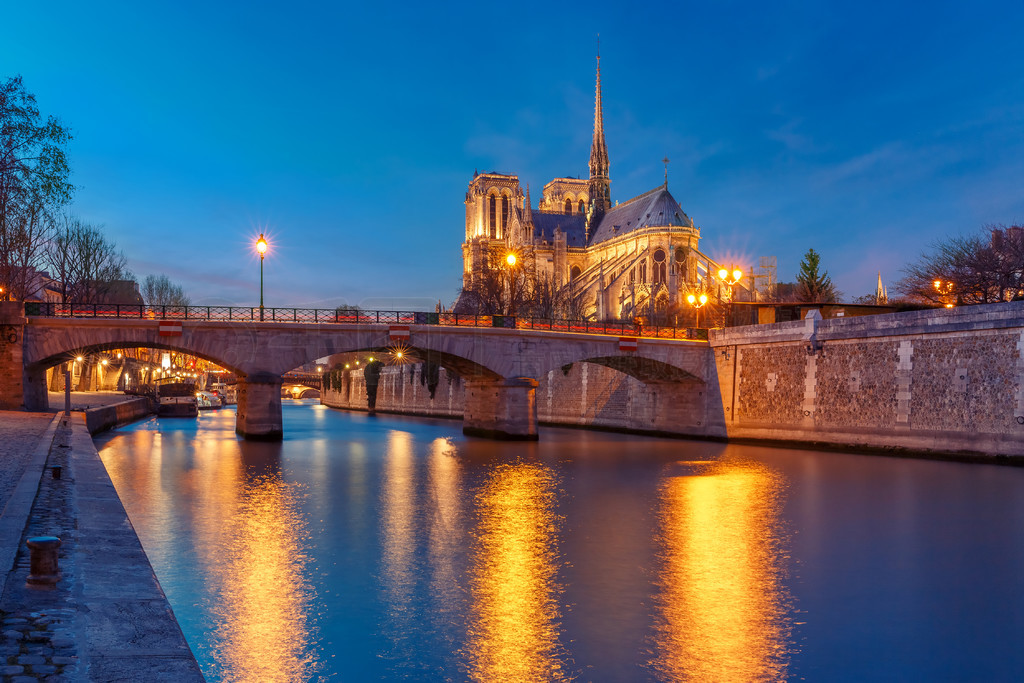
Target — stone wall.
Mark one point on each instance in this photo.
(12, 329)
(581, 394)
(946, 381)
(107, 417)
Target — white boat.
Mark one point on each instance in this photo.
(207, 400)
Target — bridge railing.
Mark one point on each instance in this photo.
(252, 314)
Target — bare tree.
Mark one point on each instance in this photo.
(971, 269)
(158, 290)
(33, 182)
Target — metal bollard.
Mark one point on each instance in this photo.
(43, 569)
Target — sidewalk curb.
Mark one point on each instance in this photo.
(15, 514)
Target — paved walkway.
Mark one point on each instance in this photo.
(107, 619)
(19, 435)
(83, 400)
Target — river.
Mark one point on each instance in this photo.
(392, 548)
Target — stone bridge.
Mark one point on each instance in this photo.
(500, 366)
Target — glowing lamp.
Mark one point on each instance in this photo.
(510, 259)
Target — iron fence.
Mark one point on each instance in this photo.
(253, 314)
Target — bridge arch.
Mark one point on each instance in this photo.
(646, 370)
(464, 367)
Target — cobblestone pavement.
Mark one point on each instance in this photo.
(38, 643)
(19, 434)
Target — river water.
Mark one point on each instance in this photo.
(394, 548)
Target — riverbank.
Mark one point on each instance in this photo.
(107, 618)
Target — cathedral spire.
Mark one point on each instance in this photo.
(600, 183)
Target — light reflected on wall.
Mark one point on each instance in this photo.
(722, 611)
(514, 617)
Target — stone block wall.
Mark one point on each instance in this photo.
(945, 381)
(12, 329)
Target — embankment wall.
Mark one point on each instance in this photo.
(107, 417)
(941, 381)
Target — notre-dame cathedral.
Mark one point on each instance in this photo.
(620, 260)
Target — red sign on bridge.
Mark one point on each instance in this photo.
(170, 328)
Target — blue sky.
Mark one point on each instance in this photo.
(349, 131)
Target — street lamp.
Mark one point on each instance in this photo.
(261, 246)
(724, 274)
(697, 301)
(511, 260)
(944, 289)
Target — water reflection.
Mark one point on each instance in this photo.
(515, 618)
(722, 608)
(251, 537)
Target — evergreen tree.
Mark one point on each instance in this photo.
(813, 286)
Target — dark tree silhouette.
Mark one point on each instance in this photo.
(969, 269)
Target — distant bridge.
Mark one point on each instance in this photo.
(500, 357)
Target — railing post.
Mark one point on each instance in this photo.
(378, 316)
(315, 314)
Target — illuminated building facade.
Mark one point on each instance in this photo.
(621, 260)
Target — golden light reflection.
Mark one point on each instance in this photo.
(263, 633)
(398, 508)
(445, 523)
(723, 614)
(515, 618)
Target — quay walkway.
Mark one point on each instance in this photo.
(107, 618)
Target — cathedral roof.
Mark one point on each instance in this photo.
(573, 226)
(657, 208)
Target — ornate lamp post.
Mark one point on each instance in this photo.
(510, 261)
(730, 278)
(261, 246)
(697, 301)
(944, 288)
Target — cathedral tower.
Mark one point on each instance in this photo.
(600, 182)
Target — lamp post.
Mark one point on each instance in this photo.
(730, 277)
(697, 301)
(944, 288)
(510, 261)
(261, 246)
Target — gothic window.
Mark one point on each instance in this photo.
(581, 206)
(574, 273)
(492, 223)
(643, 271)
(568, 206)
(504, 213)
(632, 275)
(659, 265)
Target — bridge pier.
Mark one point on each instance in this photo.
(34, 389)
(682, 408)
(259, 407)
(12, 332)
(505, 409)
